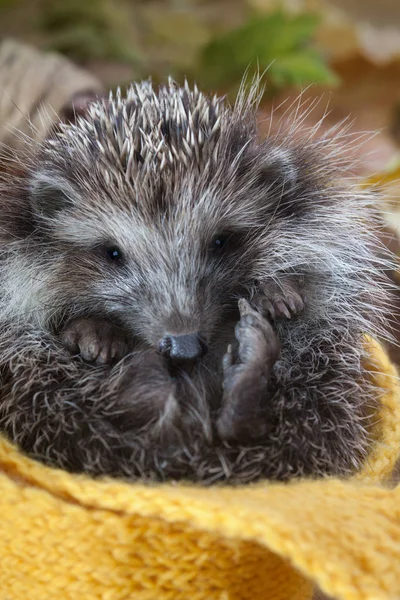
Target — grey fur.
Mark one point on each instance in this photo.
(160, 174)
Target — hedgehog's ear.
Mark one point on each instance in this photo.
(279, 168)
(50, 194)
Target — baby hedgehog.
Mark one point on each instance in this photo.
(182, 300)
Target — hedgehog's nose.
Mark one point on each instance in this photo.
(186, 348)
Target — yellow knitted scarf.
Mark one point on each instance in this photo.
(69, 537)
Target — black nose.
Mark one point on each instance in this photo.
(185, 348)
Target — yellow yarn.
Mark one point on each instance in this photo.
(65, 536)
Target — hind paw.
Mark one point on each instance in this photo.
(243, 413)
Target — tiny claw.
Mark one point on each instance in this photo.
(281, 306)
(91, 351)
(245, 308)
(299, 302)
(290, 301)
(103, 357)
(268, 306)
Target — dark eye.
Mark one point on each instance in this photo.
(220, 241)
(114, 254)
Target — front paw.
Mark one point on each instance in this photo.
(283, 299)
(96, 340)
(243, 416)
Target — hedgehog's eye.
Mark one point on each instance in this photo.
(114, 254)
(220, 241)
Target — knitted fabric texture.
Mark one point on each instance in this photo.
(66, 536)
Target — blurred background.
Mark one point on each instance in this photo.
(346, 53)
(348, 49)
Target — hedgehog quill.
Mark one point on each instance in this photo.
(182, 300)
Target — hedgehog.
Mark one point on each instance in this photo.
(181, 298)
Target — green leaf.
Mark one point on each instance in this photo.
(301, 68)
(276, 41)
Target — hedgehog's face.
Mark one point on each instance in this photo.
(161, 272)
